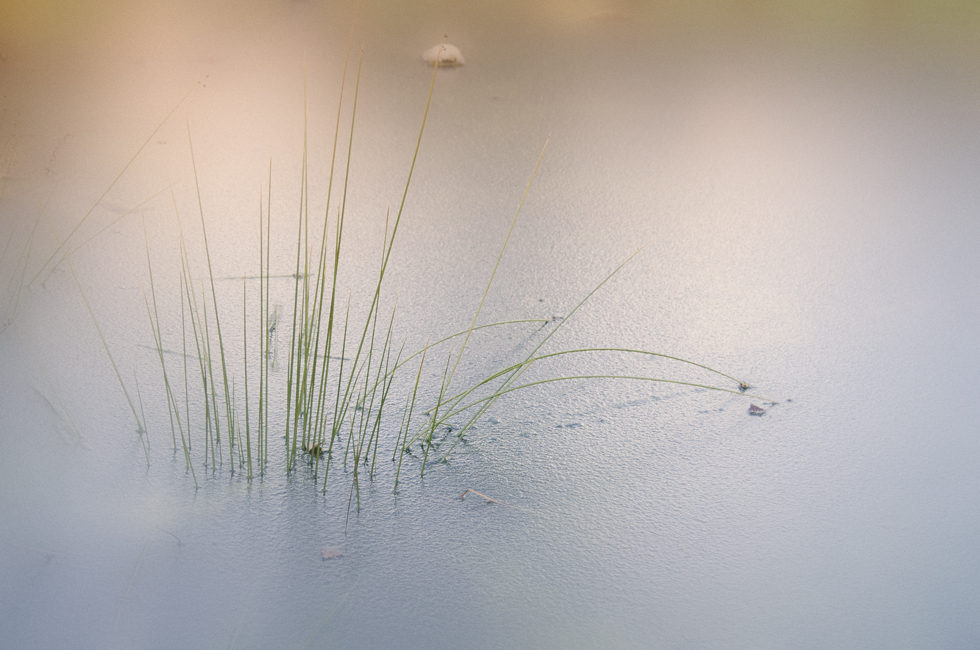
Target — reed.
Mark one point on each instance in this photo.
(264, 339)
(248, 429)
(214, 297)
(344, 372)
(200, 331)
(173, 408)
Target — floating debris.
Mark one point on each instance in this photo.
(313, 450)
(330, 552)
(447, 55)
(463, 496)
(756, 410)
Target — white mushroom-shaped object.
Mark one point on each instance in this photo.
(447, 55)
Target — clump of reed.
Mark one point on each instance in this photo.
(349, 389)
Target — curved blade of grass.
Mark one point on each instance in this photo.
(519, 369)
(450, 337)
(510, 389)
(528, 362)
(516, 373)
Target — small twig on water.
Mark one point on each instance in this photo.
(463, 496)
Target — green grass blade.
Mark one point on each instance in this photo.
(214, 296)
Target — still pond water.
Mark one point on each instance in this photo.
(808, 200)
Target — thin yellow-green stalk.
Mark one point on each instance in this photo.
(214, 297)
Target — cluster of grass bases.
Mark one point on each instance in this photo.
(340, 374)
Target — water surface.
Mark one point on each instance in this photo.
(806, 192)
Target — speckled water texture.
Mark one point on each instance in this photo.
(806, 187)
